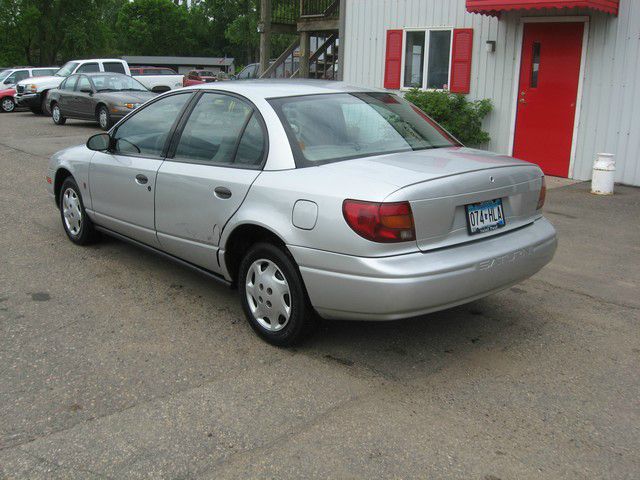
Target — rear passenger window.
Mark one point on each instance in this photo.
(115, 67)
(212, 133)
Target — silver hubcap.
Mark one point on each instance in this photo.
(72, 211)
(8, 105)
(56, 113)
(103, 118)
(268, 295)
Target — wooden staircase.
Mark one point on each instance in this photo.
(315, 51)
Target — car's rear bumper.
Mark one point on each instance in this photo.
(389, 288)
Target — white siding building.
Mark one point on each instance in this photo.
(564, 82)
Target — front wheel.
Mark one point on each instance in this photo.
(7, 105)
(56, 114)
(273, 296)
(77, 225)
(104, 118)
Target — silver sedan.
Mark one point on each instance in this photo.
(313, 198)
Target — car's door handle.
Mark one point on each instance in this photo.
(141, 179)
(222, 192)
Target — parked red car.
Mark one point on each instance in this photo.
(6, 100)
(195, 77)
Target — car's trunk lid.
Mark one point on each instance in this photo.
(468, 177)
(439, 183)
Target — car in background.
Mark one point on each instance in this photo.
(7, 104)
(100, 96)
(9, 77)
(33, 93)
(353, 204)
(157, 79)
(252, 70)
(248, 72)
(195, 77)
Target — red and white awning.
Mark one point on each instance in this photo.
(495, 7)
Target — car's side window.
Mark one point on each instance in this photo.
(212, 133)
(83, 84)
(15, 77)
(116, 67)
(146, 132)
(88, 67)
(69, 84)
(252, 144)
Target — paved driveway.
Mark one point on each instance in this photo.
(117, 364)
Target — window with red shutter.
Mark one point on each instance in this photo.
(393, 59)
(461, 60)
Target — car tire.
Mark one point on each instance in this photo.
(271, 286)
(56, 114)
(103, 118)
(7, 105)
(75, 221)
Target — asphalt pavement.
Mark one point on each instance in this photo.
(115, 363)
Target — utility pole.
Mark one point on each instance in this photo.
(264, 27)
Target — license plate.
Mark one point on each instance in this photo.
(485, 216)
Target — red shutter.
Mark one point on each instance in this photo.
(461, 60)
(393, 59)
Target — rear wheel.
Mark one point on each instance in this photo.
(273, 296)
(77, 225)
(7, 105)
(56, 114)
(104, 118)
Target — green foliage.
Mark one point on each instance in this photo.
(46, 32)
(461, 117)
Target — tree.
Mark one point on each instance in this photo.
(155, 27)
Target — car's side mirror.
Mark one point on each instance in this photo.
(100, 142)
(86, 90)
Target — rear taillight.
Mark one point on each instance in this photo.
(380, 222)
(543, 194)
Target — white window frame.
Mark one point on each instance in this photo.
(427, 46)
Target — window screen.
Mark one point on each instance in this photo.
(439, 53)
(414, 59)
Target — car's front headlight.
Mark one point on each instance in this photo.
(125, 106)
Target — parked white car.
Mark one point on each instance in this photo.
(157, 79)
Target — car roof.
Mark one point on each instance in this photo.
(274, 88)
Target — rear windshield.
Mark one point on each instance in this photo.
(334, 127)
(205, 73)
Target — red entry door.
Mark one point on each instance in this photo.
(547, 94)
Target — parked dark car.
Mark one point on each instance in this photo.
(103, 97)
